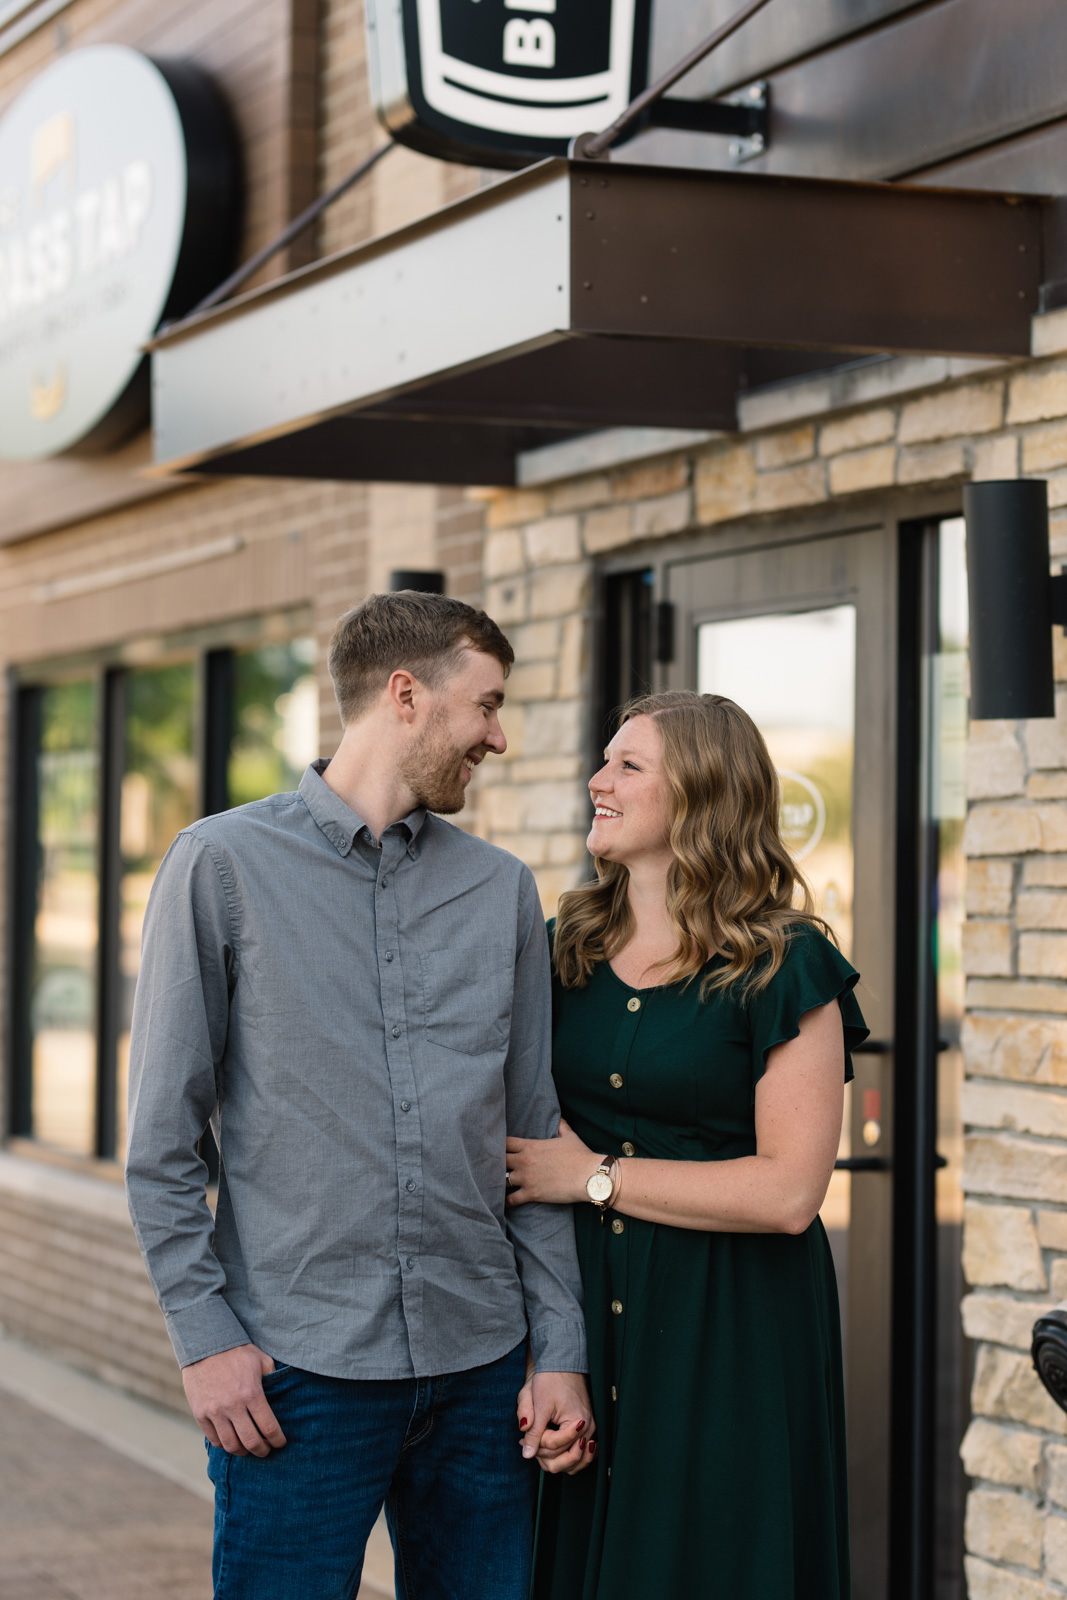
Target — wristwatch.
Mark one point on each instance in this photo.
(601, 1186)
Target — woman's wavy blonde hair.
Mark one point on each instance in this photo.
(732, 888)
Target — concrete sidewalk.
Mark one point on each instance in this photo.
(103, 1497)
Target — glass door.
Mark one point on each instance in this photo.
(803, 636)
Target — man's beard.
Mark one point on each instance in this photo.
(433, 769)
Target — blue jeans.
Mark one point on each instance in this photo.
(442, 1455)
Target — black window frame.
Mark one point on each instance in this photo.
(214, 658)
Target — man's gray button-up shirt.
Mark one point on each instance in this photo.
(364, 1024)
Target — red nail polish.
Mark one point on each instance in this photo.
(523, 1424)
(592, 1447)
(578, 1426)
(581, 1446)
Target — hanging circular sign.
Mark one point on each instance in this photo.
(94, 196)
(803, 813)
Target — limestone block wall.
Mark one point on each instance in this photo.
(902, 429)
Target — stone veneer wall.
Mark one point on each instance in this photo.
(920, 424)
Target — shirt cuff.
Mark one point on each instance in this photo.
(559, 1347)
(204, 1329)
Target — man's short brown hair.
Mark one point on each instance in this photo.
(423, 633)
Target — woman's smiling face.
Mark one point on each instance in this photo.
(630, 796)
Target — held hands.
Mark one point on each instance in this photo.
(552, 1170)
(556, 1421)
(225, 1394)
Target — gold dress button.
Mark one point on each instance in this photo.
(634, 1004)
(614, 1396)
(618, 1226)
(615, 1081)
(627, 1149)
(616, 1306)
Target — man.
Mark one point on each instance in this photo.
(356, 994)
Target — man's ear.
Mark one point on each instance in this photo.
(403, 688)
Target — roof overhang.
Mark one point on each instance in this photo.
(578, 296)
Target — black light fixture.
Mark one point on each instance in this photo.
(422, 581)
(1049, 1352)
(1014, 602)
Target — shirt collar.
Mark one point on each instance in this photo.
(341, 825)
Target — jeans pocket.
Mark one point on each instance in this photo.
(280, 1369)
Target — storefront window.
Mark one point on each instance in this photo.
(795, 673)
(275, 719)
(63, 995)
(158, 799)
(947, 805)
(121, 761)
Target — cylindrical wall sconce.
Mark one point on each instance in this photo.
(1010, 593)
(1049, 1352)
(422, 581)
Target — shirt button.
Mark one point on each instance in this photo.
(615, 1081)
(405, 1105)
(614, 1395)
(627, 1149)
(616, 1306)
(388, 955)
(617, 1226)
(385, 883)
(410, 1186)
(396, 1033)
(410, 1262)
(634, 1004)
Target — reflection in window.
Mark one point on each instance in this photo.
(159, 798)
(63, 983)
(275, 730)
(795, 673)
(160, 740)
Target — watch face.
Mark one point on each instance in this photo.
(599, 1187)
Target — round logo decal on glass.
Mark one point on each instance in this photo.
(803, 814)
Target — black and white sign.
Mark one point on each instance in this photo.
(95, 192)
(501, 82)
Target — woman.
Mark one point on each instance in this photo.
(702, 1030)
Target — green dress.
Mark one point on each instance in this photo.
(715, 1358)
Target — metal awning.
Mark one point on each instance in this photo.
(578, 296)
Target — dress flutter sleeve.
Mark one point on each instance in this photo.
(813, 973)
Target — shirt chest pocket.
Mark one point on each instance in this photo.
(466, 998)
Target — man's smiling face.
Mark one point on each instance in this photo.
(461, 727)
